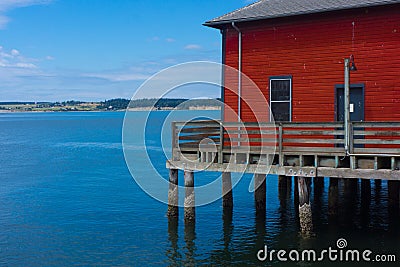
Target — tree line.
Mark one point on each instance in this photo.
(117, 104)
(120, 103)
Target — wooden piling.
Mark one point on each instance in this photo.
(289, 185)
(227, 197)
(350, 187)
(333, 198)
(305, 213)
(296, 194)
(282, 182)
(282, 190)
(319, 185)
(377, 190)
(365, 189)
(173, 193)
(365, 202)
(393, 193)
(189, 203)
(393, 205)
(260, 194)
(350, 195)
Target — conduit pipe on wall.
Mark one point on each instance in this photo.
(239, 77)
(240, 71)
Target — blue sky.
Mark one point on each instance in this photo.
(55, 50)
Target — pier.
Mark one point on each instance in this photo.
(305, 151)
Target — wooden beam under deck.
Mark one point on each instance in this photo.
(393, 175)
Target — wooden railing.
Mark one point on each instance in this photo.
(222, 142)
(189, 139)
(375, 138)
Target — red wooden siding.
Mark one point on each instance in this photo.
(312, 49)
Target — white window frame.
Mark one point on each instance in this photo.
(280, 78)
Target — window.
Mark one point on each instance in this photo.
(280, 89)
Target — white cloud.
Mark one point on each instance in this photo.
(170, 40)
(25, 65)
(3, 21)
(118, 77)
(13, 59)
(11, 4)
(6, 5)
(192, 47)
(14, 52)
(49, 58)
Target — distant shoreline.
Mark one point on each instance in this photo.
(119, 110)
(168, 108)
(112, 105)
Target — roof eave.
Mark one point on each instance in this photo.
(219, 24)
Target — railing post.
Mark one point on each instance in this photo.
(280, 138)
(174, 140)
(221, 144)
(351, 138)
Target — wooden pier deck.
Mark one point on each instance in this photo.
(289, 149)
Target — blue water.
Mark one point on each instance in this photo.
(67, 198)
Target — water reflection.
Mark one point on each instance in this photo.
(296, 194)
(284, 190)
(366, 213)
(227, 217)
(260, 231)
(365, 203)
(190, 245)
(172, 252)
(393, 205)
(350, 201)
(377, 191)
(319, 183)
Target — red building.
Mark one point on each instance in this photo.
(294, 51)
(331, 124)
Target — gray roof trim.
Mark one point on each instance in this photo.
(268, 9)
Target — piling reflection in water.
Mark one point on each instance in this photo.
(350, 201)
(393, 205)
(172, 252)
(284, 190)
(190, 244)
(260, 230)
(333, 199)
(365, 202)
(227, 227)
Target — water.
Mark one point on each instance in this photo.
(68, 199)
